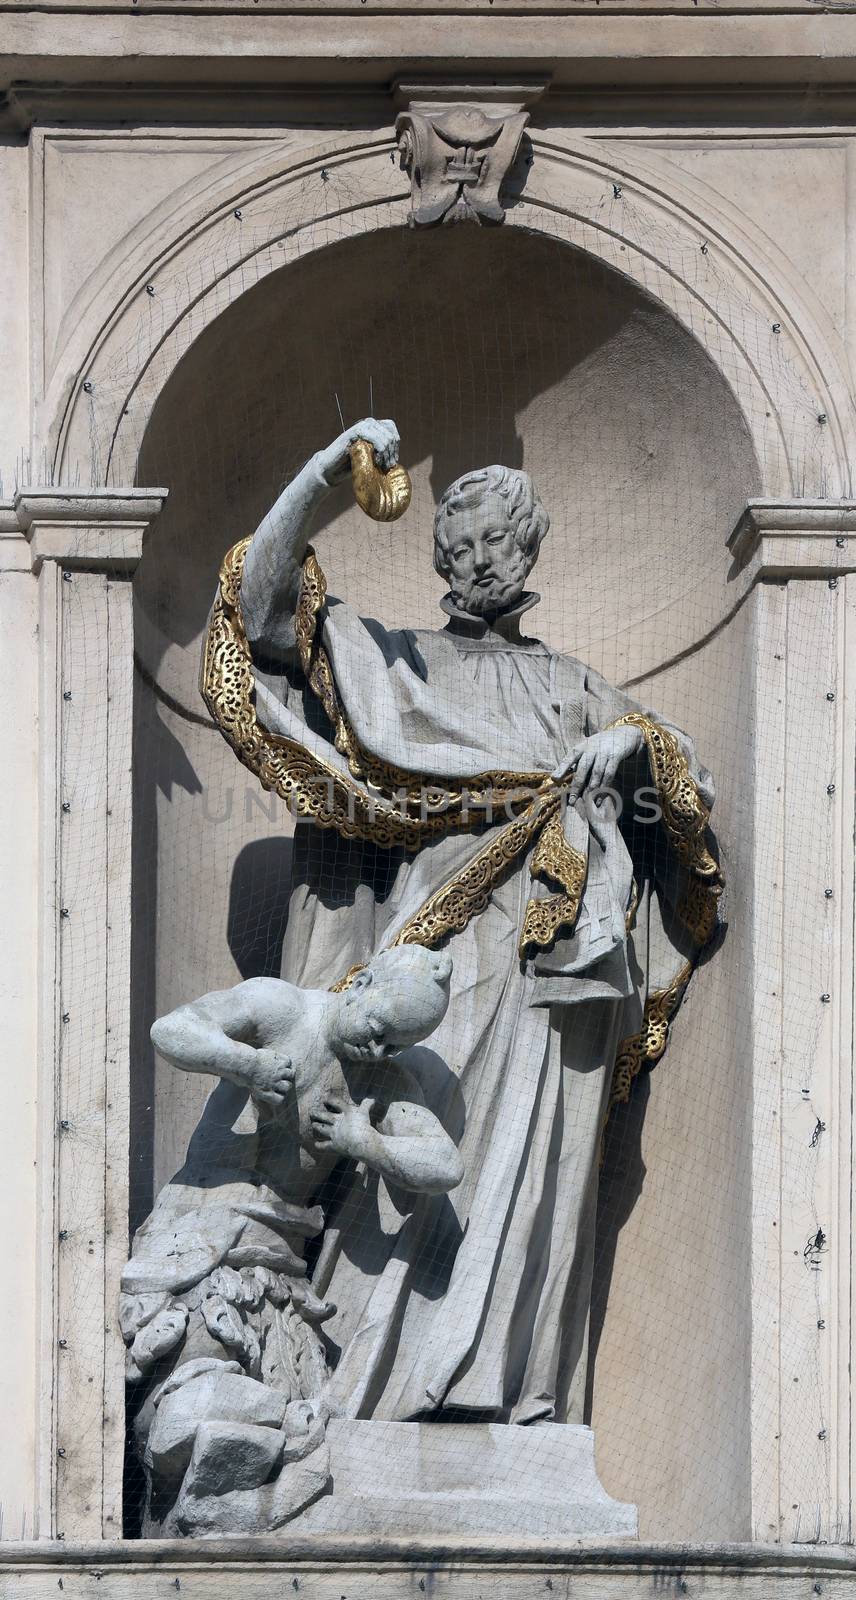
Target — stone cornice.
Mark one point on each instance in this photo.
(795, 538)
(155, 1562)
(496, 96)
(192, 102)
(647, 101)
(496, 9)
(92, 530)
(72, 58)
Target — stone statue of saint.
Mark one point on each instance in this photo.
(449, 788)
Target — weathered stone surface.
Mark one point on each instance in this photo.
(257, 1510)
(221, 1396)
(219, 1372)
(374, 1567)
(457, 158)
(231, 1455)
(417, 1479)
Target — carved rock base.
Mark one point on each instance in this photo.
(410, 1478)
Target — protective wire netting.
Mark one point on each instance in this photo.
(562, 1275)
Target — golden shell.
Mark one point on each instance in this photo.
(384, 496)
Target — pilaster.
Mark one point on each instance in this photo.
(799, 556)
(83, 548)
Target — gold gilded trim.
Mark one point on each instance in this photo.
(313, 788)
(420, 795)
(698, 909)
(543, 920)
(685, 815)
(345, 982)
(452, 906)
(383, 496)
(648, 1045)
(388, 806)
(686, 819)
(556, 860)
(456, 902)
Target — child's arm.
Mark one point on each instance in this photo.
(216, 1034)
(409, 1147)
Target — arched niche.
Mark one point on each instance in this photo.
(483, 346)
(133, 319)
(509, 345)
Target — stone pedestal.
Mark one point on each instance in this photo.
(411, 1478)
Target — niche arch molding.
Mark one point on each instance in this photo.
(172, 275)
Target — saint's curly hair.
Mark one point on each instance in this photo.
(526, 512)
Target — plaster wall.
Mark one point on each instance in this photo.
(797, 188)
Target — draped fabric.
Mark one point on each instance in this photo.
(476, 1303)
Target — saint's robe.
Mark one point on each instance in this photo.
(475, 1304)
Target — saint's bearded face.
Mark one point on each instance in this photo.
(485, 564)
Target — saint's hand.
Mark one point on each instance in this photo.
(335, 461)
(343, 1126)
(593, 762)
(269, 1077)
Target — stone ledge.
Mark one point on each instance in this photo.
(762, 42)
(203, 102)
(93, 530)
(794, 538)
(326, 1567)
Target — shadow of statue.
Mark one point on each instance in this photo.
(622, 1179)
(259, 896)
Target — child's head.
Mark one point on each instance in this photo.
(398, 999)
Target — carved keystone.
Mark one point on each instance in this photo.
(458, 144)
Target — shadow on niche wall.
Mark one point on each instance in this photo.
(453, 337)
(255, 930)
(258, 906)
(621, 1180)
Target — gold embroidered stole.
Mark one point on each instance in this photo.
(374, 800)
